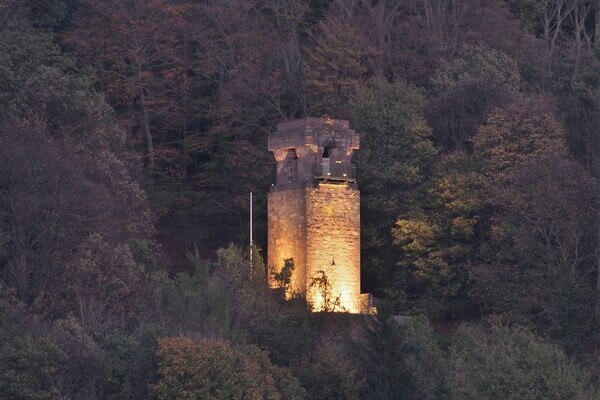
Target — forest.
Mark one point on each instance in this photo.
(132, 131)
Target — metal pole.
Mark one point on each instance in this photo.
(251, 241)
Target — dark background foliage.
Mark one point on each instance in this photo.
(131, 133)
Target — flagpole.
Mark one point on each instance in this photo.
(251, 241)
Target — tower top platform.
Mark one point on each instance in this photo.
(310, 150)
(314, 133)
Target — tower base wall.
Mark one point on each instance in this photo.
(333, 247)
(319, 227)
(287, 236)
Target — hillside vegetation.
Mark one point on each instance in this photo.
(132, 131)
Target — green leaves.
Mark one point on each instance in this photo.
(478, 64)
(439, 237)
(29, 368)
(512, 364)
(217, 370)
(394, 157)
(395, 145)
(401, 359)
(465, 89)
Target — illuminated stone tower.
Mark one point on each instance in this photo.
(314, 212)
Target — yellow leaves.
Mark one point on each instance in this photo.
(437, 241)
(459, 192)
(415, 234)
(463, 227)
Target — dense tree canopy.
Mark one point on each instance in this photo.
(132, 131)
(215, 370)
(512, 364)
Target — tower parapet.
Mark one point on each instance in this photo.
(314, 212)
(311, 148)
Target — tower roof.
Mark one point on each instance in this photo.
(313, 132)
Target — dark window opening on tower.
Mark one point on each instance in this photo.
(290, 166)
(325, 166)
(291, 155)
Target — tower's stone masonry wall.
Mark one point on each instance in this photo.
(287, 235)
(333, 244)
(314, 212)
(308, 139)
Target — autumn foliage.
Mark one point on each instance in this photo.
(217, 370)
(132, 131)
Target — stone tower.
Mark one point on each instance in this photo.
(314, 212)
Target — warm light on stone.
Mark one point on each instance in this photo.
(314, 213)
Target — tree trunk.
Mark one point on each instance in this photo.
(149, 141)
